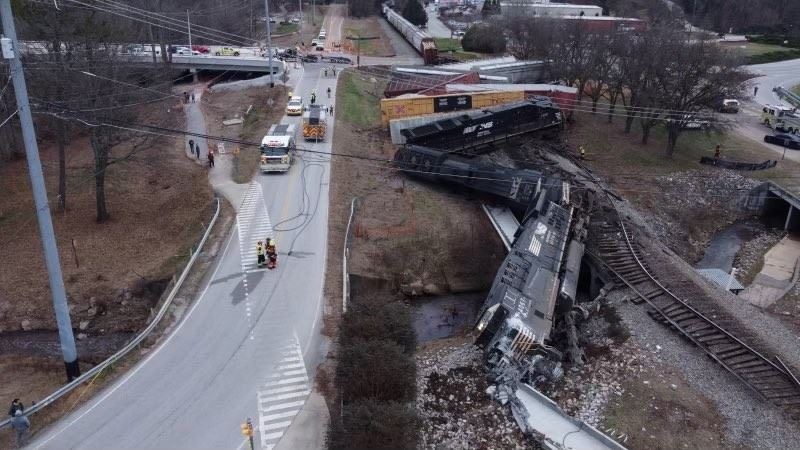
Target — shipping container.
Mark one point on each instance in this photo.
(396, 108)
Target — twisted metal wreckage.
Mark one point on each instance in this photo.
(527, 325)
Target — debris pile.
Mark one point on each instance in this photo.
(454, 408)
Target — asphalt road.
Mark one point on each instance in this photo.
(249, 343)
(785, 74)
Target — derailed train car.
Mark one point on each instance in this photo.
(419, 39)
(518, 186)
(536, 282)
(464, 134)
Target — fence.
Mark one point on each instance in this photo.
(175, 286)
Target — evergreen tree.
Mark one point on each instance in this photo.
(415, 13)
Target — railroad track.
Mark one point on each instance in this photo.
(770, 379)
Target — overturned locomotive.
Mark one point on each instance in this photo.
(517, 186)
(469, 133)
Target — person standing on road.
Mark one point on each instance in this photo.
(329, 92)
(755, 91)
(20, 424)
(717, 151)
(16, 405)
(331, 110)
(192, 97)
(326, 72)
(197, 150)
(210, 158)
(260, 254)
(191, 145)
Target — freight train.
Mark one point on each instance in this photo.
(420, 40)
(469, 133)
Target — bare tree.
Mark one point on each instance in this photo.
(695, 77)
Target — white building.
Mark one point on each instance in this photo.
(545, 8)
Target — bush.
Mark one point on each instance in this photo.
(375, 369)
(484, 38)
(369, 424)
(379, 320)
(415, 13)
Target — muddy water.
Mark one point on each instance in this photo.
(726, 243)
(446, 315)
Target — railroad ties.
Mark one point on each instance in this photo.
(771, 380)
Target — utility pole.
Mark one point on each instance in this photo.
(313, 12)
(269, 45)
(189, 25)
(358, 40)
(11, 52)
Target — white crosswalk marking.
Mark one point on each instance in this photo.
(282, 395)
(254, 225)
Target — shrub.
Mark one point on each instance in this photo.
(369, 424)
(375, 369)
(484, 38)
(379, 320)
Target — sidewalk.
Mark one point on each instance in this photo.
(777, 276)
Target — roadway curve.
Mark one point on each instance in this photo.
(250, 342)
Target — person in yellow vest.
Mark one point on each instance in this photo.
(583, 153)
(260, 254)
(272, 254)
(290, 95)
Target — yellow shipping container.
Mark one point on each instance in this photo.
(397, 108)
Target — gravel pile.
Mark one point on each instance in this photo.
(750, 421)
(585, 392)
(455, 411)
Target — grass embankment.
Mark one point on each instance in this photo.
(612, 151)
(452, 48)
(256, 123)
(796, 89)
(286, 28)
(366, 27)
(358, 100)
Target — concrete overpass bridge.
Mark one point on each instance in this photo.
(209, 62)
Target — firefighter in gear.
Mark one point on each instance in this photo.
(313, 97)
(290, 95)
(260, 253)
(272, 254)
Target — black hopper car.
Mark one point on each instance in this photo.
(466, 134)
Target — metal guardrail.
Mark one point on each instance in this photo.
(789, 96)
(67, 388)
(345, 254)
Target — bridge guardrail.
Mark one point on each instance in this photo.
(788, 95)
(67, 388)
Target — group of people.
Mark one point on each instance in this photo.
(267, 254)
(188, 98)
(194, 148)
(332, 69)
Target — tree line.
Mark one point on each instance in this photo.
(658, 76)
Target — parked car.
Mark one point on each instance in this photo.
(784, 140)
(729, 105)
(226, 51)
(201, 48)
(692, 122)
(340, 60)
(184, 51)
(309, 58)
